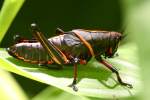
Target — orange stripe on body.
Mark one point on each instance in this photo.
(88, 45)
(49, 51)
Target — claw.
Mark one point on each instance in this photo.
(73, 86)
(127, 85)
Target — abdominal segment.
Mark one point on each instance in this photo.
(30, 52)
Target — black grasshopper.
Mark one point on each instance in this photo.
(73, 47)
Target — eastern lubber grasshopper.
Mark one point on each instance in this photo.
(73, 47)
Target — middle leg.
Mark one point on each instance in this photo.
(73, 84)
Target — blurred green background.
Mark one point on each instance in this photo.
(88, 14)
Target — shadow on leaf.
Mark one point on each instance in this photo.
(92, 70)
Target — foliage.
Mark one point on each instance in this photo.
(94, 79)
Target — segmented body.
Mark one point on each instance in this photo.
(103, 43)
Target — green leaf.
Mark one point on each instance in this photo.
(9, 89)
(51, 93)
(7, 14)
(94, 79)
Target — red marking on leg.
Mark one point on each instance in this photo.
(83, 61)
(106, 64)
(49, 62)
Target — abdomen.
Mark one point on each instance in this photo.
(30, 52)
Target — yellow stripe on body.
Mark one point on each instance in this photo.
(47, 48)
